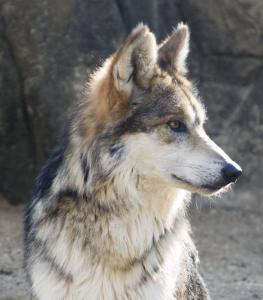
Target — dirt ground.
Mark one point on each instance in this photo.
(228, 234)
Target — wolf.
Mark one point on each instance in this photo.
(108, 219)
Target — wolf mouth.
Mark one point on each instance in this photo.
(181, 179)
(203, 186)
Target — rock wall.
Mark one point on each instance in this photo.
(48, 47)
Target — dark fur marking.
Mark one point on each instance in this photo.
(76, 196)
(67, 193)
(85, 168)
(49, 171)
(48, 258)
(156, 268)
(147, 274)
(116, 150)
(71, 194)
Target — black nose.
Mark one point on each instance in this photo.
(231, 172)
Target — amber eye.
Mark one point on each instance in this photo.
(177, 126)
(174, 124)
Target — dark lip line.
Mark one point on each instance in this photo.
(209, 187)
(181, 179)
(204, 186)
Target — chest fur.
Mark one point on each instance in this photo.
(136, 255)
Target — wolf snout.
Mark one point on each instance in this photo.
(231, 172)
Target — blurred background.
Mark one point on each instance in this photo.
(47, 50)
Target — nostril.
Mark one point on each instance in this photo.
(231, 172)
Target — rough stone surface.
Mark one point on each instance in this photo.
(13, 284)
(229, 240)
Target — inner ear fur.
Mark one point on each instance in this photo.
(135, 61)
(174, 50)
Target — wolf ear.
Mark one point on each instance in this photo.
(135, 60)
(174, 50)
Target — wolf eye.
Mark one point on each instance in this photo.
(177, 126)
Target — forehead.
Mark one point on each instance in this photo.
(169, 96)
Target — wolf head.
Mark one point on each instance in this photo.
(143, 115)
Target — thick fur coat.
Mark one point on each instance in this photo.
(108, 218)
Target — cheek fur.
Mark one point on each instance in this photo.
(150, 155)
(164, 134)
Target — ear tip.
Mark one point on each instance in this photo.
(143, 35)
(184, 28)
(141, 28)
